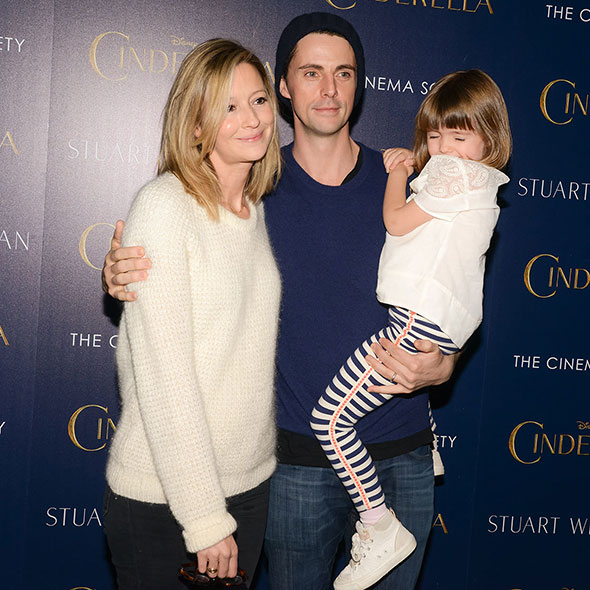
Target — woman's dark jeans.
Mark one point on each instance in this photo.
(146, 543)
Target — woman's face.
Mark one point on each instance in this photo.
(247, 128)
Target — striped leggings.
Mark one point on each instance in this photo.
(346, 400)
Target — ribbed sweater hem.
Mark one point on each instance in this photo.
(146, 487)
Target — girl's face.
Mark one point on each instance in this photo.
(247, 128)
(462, 143)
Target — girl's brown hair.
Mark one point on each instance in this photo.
(466, 100)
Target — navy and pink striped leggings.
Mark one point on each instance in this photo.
(346, 400)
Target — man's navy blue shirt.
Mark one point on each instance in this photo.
(327, 241)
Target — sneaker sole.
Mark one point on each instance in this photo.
(378, 573)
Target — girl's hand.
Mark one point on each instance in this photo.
(392, 157)
(219, 560)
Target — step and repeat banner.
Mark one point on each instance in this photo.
(82, 89)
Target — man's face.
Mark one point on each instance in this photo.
(321, 83)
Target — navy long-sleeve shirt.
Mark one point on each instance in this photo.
(327, 241)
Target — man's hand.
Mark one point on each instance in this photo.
(219, 560)
(410, 371)
(123, 266)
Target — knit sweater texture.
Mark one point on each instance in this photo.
(195, 358)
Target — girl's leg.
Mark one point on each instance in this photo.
(345, 401)
(409, 327)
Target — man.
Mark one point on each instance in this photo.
(325, 224)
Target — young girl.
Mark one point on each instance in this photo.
(431, 277)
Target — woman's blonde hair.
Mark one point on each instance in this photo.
(199, 99)
(465, 100)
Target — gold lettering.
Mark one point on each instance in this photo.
(139, 63)
(512, 442)
(110, 426)
(543, 101)
(72, 426)
(486, 2)
(82, 243)
(435, 6)
(438, 521)
(578, 100)
(576, 275)
(562, 437)
(341, 7)
(580, 443)
(3, 336)
(152, 53)
(561, 274)
(527, 275)
(8, 136)
(450, 6)
(93, 61)
(544, 438)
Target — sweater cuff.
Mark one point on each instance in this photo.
(207, 531)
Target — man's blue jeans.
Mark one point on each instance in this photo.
(310, 512)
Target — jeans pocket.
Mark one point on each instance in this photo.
(424, 453)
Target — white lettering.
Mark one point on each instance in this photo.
(384, 84)
(568, 364)
(18, 239)
(72, 516)
(7, 41)
(526, 362)
(548, 189)
(523, 524)
(103, 152)
(87, 340)
(578, 527)
(442, 440)
(51, 516)
(559, 12)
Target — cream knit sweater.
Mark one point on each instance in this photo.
(195, 358)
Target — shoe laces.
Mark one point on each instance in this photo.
(361, 543)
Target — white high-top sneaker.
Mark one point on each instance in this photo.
(376, 549)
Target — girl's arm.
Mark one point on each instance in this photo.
(400, 217)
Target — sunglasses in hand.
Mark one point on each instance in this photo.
(196, 579)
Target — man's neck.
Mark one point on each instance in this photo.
(327, 159)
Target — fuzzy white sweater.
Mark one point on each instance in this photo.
(195, 358)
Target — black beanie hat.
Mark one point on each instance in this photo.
(311, 23)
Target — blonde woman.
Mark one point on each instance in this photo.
(189, 466)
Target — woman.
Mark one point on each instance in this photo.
(189, 466)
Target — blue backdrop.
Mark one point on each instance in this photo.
(83, 87)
